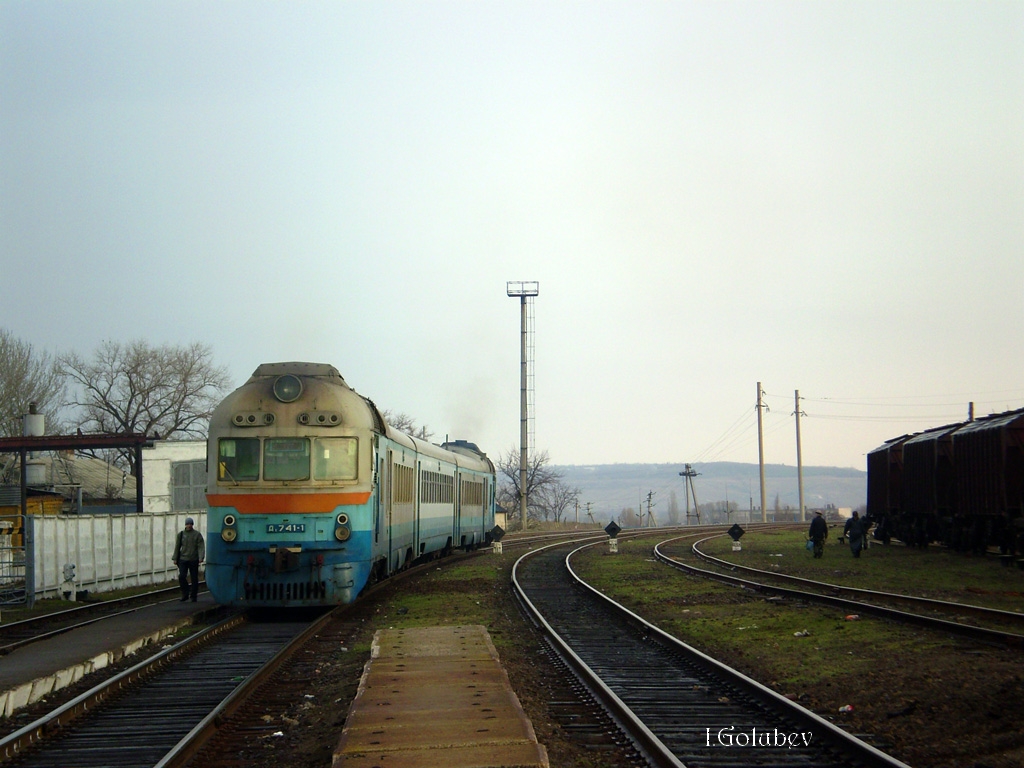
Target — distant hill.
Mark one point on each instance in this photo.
(610, 488)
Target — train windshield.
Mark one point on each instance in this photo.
(238, 459)
(286, 458)
(335, 458)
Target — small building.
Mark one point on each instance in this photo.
(174, 476)
(85, 483)
(173, 479)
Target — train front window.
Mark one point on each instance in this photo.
(335, 458)
(238, 459)
(286, 458)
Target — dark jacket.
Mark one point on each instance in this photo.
(819, 528)
(189, 547)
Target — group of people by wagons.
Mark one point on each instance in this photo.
(855, 531)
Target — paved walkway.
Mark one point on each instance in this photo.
(34, 671)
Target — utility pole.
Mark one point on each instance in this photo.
(650, 514)
(688, 490)
(799, 458)
(760, 451)
(524, 290)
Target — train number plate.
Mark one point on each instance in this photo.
(286, 527)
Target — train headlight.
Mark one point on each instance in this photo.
(342, 533)
(228, 532)
(287, 388)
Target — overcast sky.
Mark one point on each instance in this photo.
(822, 196)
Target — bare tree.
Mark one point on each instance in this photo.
(673, 509)
(27, 376)
(628, 518)
(136, 388)
(403, 422)
(557, 499)
(547, 495)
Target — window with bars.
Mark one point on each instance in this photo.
(404, 482)
(472, 493)
(436, 488)
(188, 485)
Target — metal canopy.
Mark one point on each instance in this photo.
(23, 445)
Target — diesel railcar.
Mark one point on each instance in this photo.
(312, 494)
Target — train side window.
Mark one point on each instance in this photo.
(238, 459)
(335, 458)
(286, 458)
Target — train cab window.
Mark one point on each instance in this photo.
(238, 459)
(335, 458)
(286, 458)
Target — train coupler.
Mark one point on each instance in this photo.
(285, 558)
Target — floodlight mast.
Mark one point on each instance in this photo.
(524, 290)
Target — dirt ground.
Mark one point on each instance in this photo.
(959, 706)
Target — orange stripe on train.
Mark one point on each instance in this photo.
(266, 503)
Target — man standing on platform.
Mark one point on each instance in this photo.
(189, 552)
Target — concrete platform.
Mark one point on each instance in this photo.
(436, 697)
(34, 671)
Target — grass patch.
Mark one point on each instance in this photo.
(795, 646)
(458, 594)
(935, 572)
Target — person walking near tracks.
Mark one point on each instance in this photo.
(189, 552)
(854, 532)
(818, 533)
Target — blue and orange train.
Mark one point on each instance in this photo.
(312, 495)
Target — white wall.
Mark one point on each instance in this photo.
(156, 470)
(114, 551)
(109, 551)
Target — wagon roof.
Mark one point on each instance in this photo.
(995, 421)
(896, 441)
(934, 433)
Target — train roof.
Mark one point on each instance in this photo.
(323, 370)
(455, 452)
(466, 454)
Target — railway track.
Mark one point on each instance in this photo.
(976, 622)
(155, 712)
(16, 634)
(679, 706)
(167, 709)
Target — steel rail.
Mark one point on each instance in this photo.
(826, 732)
(16, 743)
(965, 630)
(652, 747)
(871, 755)
(144, 601)
(929, 602)
(207, 728)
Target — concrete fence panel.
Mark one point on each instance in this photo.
(108, 551)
